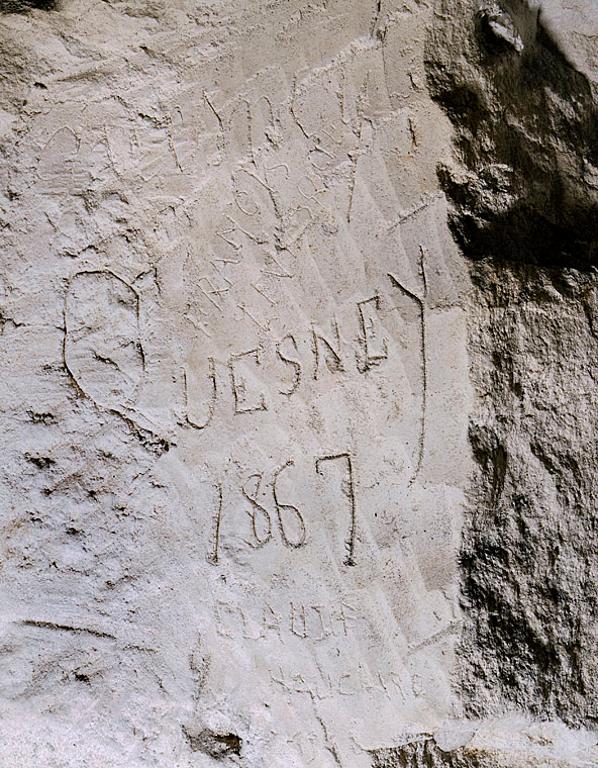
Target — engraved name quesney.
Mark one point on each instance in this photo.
(106, 361)
(104, 353)
(326, 352)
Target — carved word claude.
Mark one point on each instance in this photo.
(298, 620)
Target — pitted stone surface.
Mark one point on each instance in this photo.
(251, 394)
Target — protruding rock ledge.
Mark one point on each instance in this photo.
(511, 742)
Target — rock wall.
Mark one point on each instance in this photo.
(521, 94)
(297, 309)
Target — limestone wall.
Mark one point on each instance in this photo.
(270, 402)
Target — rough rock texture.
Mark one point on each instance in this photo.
(524, 187)
(529, 558)
(289, 476)
(22, 6)
(503, 743)
(236, 388)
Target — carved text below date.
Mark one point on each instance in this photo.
(305, 622)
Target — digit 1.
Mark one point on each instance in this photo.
(212, 556)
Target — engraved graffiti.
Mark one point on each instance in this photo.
(349, 491)
(102, 348)
(312, 622)
(257, 375)
(270, 509)
(291, 524)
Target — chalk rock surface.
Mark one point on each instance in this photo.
(298, 311)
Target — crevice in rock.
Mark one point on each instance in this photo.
(216, 745)
(24, 6)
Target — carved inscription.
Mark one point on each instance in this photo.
(246, 401)
(102, 350)
(305, 621)
(284, 362)
(290, 522)
(354, 682)
(282, 347)
(349, 491)
(261, 522)
(326, 351)
(285, 513)
(213, 554)
(211, 398)
(281, 339)
(374, 344)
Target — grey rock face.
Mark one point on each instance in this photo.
(526, 141)
(22, 6)
(507, 743)
(525, 210)
(529, 554)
